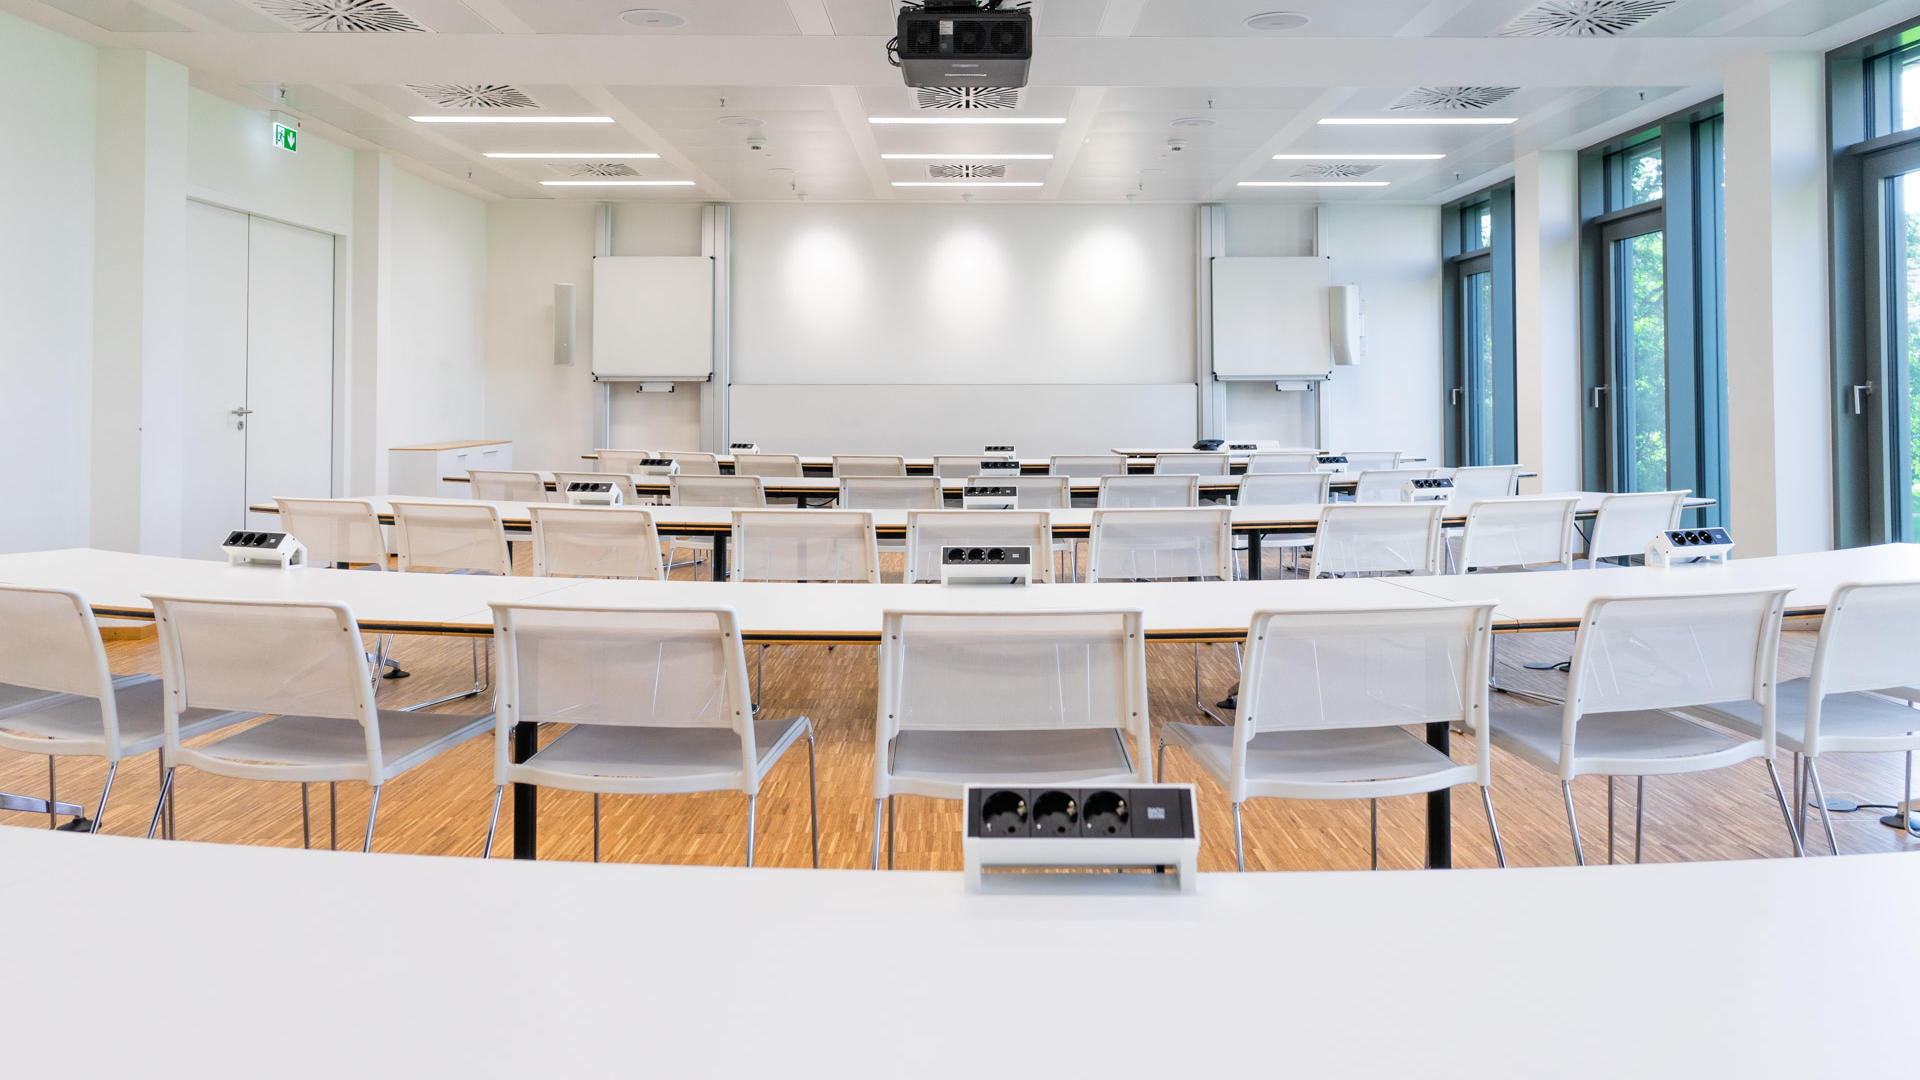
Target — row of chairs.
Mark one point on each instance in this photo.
(1197, 463)
(658, 701)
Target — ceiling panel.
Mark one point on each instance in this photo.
(732, 17)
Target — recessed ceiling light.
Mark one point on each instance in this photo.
(1194, 121)
(739, 121)
(1427, 120)
(652, 19)
(511, 119)
(967, 183)
(1277, 20)
(616, 183)
(557, 157)
(1358, 157)
(1314, 183)
(967, 157)
(966, 119)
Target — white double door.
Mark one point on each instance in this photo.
(259, 371)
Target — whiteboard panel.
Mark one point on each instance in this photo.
(1270, 318)
(918, 421)
(652, 317)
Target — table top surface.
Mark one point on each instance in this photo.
(457, 445)
(709, 971)
(1227, 484)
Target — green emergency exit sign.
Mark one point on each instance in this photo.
(286, 138)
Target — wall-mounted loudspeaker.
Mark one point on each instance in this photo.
(1343, 320)
(563, 322)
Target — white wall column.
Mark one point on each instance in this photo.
(140, 205)
(1780, 449)
(1546, 318)
(370, 274)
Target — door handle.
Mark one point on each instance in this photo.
(1860, 388)
(1455, 397)
(241, 411)
(240, 417)
(1597, 391)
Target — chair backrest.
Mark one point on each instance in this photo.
(1034, 492)
(1626, 523)
(1472, 482)
(1378, 539)
(595, 541)
(291, 658)
(702, 490)
(775, 465)
(803, 545)
(336, 530)
(1383, 485)
(869, 465)
(1283, 461)
(891, 493)
(1027, 671)
(450, 536)
(961, 466)
(659, 668)
(1672, 651)
(1518, 532)
(1866, 643)
(505, 485)
(1195, 464)
(1325, 670)
(1284, 488)
(620, 480)
(930, 530)
(1362, 460)
(694, 462)
(1139, 491)
(619, 461)
(1087, 465)
(1153, 545)
(50, 642)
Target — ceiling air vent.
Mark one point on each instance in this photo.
(1452, 98)
(341, 16)
(1341, 171)
(969, 97)
(474, 95)
(1583, 18)
(966, 172)
(597, 168)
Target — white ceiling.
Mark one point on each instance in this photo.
(769, 99)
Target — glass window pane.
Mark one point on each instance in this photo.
(1638, 176)
(1479, 342)
(1909, 470)
(1907, 76)
(1640, 306)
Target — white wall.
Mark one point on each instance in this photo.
(1392, 400)
(434, 376)
(1546, 318)
(46, 278)
(1255, 410)
(232, 162)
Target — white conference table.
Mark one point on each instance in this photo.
(462, 967)
(805, 489)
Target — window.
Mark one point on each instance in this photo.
(1476, 226)
(1479, 345)
(1635, 177)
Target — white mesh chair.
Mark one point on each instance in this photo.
(1021, 699)
(803, 545)
(1362, 460)
(656, 701)
(1522, 533)
(1087, 466)
(303, 665)
(891, 493)
(58, 697)
(1398, 538)
(1472, 482)
(620, 480)
(1636, 661)
(1626, 523)
(1326, 702)
(1384, 485)
(505, 485)
(619, 461)
(1859, 697)
(1283, 461)
(694, 462)
(1160, 545)
(1194, 464)
(715, 490)
(344, 533)
(773, 465)
(1120, 492)
(961, 466)
(595, 541)
(869, 465)
(1292, 488)
(930, 530)
(460, 538)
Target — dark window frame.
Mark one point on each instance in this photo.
(1459, 220)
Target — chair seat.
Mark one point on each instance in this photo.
(602, 757)
(1646, 742)
(1359, 757)
(309, 748)
(70, 723)
(942, 763)
(1847, 721)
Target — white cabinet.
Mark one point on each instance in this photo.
(417, 470)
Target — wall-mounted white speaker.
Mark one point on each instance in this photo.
(1343, 320)
(563, 322)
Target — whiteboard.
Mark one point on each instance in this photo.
(652, 317)
(1270, 318)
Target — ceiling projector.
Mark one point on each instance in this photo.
(963, 43)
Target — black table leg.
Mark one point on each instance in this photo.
(1253, 556)
(526, 797)
(1439, 808)
(720, 557)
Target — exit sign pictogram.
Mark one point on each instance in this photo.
(286, 138)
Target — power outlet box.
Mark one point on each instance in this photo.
(1126, 827)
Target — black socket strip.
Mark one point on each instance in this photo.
(1332, 459)
(655, 462)
(742, 446)
(999, 449)
(987, 491)
(1155, 812)
(986, 556)
(254, 539)
(1243, 446)
(1698, 537)
(589, 485)
(1435, 484)
(999, 465)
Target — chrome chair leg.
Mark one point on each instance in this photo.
(306, 822)
(752, 802)
(1800, 783)
(893, 822)
(1239, 842)
(101, 810)
(813, 796)
(493, 823)
(1906, 797)
(482, 657)
(1820, 794)
(53, 810)
(1373, 831)
(1773, 773)
(596, 832)
(1160, 762)
(333, 815)
(372, 809)
(878, 810)
(1493, 826)
(1573, 823)
(166, 787)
